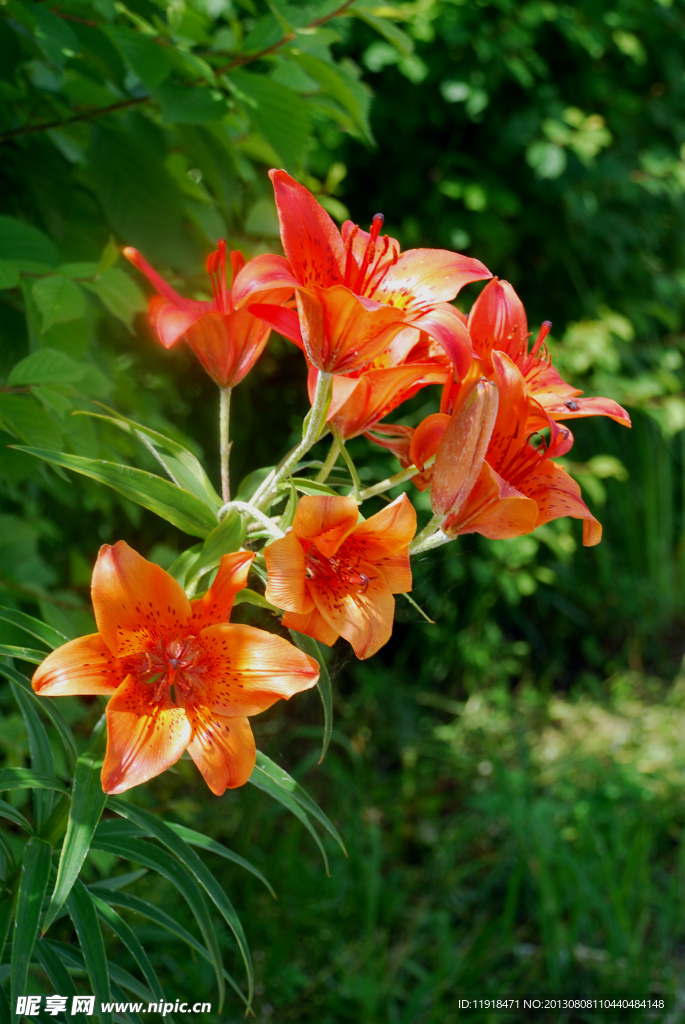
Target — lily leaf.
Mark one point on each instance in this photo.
(87, 804)
(35, 873)
(82, 911)
(312, 648)
(47, 707)
(175, 505)
(34, 627)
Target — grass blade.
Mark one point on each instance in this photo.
(82, 911)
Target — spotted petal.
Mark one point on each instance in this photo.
(81, 668)
(217, 603)
(222, 748)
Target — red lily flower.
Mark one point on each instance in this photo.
(498, 321)
(226, 340)
(363, 397)
(151, 639)
(518, 486)
(335, 576)
(354, 291)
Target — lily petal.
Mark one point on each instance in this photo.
(325, 521)
(246, 670)
(222, 748)
(494, 509)
(364, 617)
(311, 241)
(286, 575)
(445, 325)
(144, 736)
(172, 323)
(135, 601)
(262, 274)
(81, 668)
(498, 321)
(386, 532)
(311, 624)
(217, 603)
(426, 276)
(281, 319)
(558, 494)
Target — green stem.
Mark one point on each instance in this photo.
(331, 460)
(246, 509)
(429, 538)
(315, 421)
(224, 443)
(393, 481)
(356, 482)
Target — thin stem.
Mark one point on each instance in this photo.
(245, 509)
(356, 482)
(393, 481)
(427, 538)
(224, 443)
(325, 470)
(315, 421)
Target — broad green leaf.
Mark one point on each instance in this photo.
(278, 113)
(47, 366)
(25, 418)
(26, 778)
(41, 753)
(164, 920)
(190, 104)
(12, 814)
(386, 28)
(312, 648)
(47, 707)
(82, 912)
(226, 537)
(9, 275)
(23, 243)
(34, 627)
(22, 653)
(35, 873)
(183, 467)
(87, 804)
(342, 86)
(129, 938)
(161, 831)
(147, 58)
(266, 768)
(176, 506)
(54, 36)
(249, 484)
(58, 299)
(119, 294)
(108, 257)
(175, 872)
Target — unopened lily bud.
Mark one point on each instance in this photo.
(461, 452)
(498, 321)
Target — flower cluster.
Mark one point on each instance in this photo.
(375, 325)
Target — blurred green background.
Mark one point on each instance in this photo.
(508, 780)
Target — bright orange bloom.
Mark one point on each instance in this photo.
(518, 486)
(226, 340)
(335, 576)
(363, 397)
(498, 321)
(153, 642)
(355, 290)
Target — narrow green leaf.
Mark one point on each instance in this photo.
(266, 767)
(58, 975)
(183, 467)
(82, 911)
(187, 856)
(87, 804)
(176, 506)
(58, 299)
(35, 873)
(305, 486)
(312, 648)
(22, 653)
(202, 841)
(41, 753)
(34, 627)
(26, 778)
(164, 920)
(129, 938)
(12, 814)
(47, 707)
(226, 537)
(247, 596)
(267, 785)
(178, 874)
(7, 909)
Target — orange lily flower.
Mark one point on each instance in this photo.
(153, 640)
(226, 340)
(498, 321)
(518, 486)
(354, 291)
(335, 576)
(363, 397)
